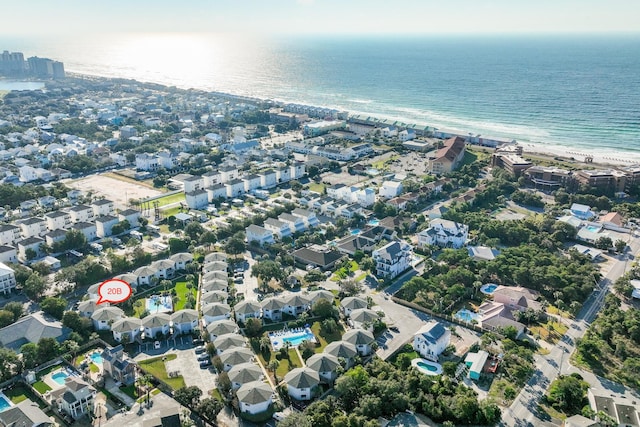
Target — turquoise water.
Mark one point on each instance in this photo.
(59, 377)
(296, 340)
(355, 231)
(373, 222)
(96, 358)
(159, 304)
(593, 228)
(427, 366)
(489, 288)
(570, 90)
(4, 403)
(466, 315)
(293, 338)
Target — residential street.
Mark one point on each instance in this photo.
(523, 411)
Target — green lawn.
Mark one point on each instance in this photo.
(94, 368)
(325, 339)
(18, 393)
(182, 293)
(171, 211)
(42, 387)
(172, 198)
(155, 366)
(318, 187)
(130, 391)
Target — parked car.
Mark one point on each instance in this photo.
(205, 364)
(394, 329)
(199, 349)
(203, 356)
(197, 341)
(156, 345)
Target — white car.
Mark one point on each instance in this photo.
(156, 345)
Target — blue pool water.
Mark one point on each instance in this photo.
(4, 403)
(489, 288)
(159, 304)
(96, 357)
(355, 231)
(373, 222)
(59, 377)
(466, 315)
(293, 338)
(593, 228)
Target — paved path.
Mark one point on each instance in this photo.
(523, 411)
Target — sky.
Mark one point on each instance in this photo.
(38, 17)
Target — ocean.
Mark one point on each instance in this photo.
(579, 92)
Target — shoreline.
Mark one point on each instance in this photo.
(617, 158)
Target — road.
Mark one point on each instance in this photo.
(523, 411)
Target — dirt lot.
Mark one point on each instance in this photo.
(118, 191)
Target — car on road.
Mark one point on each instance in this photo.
(199, 349)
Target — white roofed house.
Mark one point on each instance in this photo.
(349, 304)
(7, 279)
(392, 259)
(268, 179)
(251, 182)
(215, 285)
(104, 224)
(103, 207)
(215, 256)
(444, 233)
(244, 373)
(310, 218)
(197, 199)
(156, 324)
(185, 320)
(255, 397)
(131, 215)
(9, 234)
(225, 342)
(246, 310)
(390, 189)
(146, 275)
(32, 243)
(217, 191)
(272, 308)
(214, 296)
(192, 183)
(431, 340)
(75, 398)
(126, 329)
(342, 349)
(215, 311)
(33, 227)
(583, 212)
(296, 224)
(81, 213)
(363, 318)
(302, 383)
(236, 356)
(104, 317)
(212, 178)
(228, 173)
(361, 339)
(258, 234)
(130, 278)
(216, 267)
(58, 220)
(89, 230)
(165, 268)
(277, 227)
(222, 327)
(181, 260)
(235, 188)
(8, 254)
(55, 236)
(86, 308)
(325, 365)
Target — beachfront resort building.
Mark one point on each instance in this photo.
(448, 157)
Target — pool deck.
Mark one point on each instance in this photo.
(48, 379)
(438, 367)
(276, 337)
(6, 399)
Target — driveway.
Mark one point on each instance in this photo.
(187, 365)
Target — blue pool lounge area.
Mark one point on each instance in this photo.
(466, 315)
(488, 288)
(427, 367)
(292, 337)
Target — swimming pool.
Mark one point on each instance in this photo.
(355, 231)
(294, 338)
(466, 315)
(59, 377)
(96, 357)
(488, 288)
(5, 403)
(592, 228)
(159, 304)
(373, 222)
(427, 367)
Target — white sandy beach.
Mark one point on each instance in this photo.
(612, 158)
